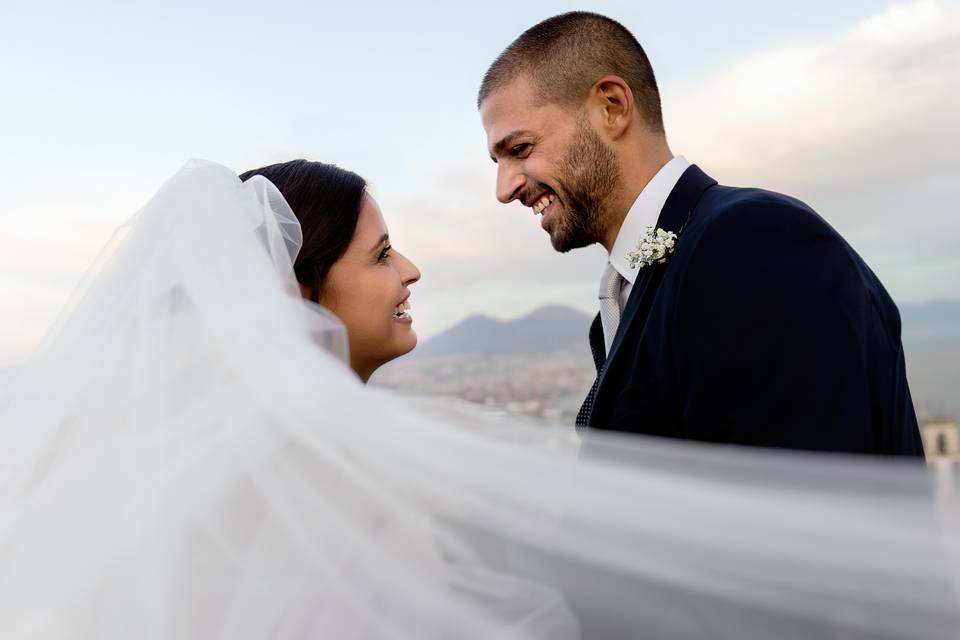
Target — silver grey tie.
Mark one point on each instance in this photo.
(610, 285)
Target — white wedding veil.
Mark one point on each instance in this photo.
(188, 456)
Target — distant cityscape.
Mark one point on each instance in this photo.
(941, 444)
(540, 366)
(550, 387)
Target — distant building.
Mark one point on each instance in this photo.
(941, 445)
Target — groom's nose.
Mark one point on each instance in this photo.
(510, 181)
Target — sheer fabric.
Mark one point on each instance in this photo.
(188, 456)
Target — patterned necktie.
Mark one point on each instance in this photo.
(610, 286)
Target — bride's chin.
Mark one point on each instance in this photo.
(411, 342)
(402, 344)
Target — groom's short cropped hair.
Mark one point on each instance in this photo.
(565, 55)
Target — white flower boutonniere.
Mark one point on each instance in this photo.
(654, 247)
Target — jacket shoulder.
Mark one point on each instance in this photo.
(730, 220)
(737, 206)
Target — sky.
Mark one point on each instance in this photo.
(848, 106)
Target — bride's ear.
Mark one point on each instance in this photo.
(612, 99)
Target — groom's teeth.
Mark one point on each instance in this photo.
(543, 203)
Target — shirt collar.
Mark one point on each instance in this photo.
(644, 213)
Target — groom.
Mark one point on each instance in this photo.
(740, 316)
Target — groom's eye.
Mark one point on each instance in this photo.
(520, 149)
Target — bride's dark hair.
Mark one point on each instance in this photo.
(326, 200)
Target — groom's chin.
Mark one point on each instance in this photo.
(562, 243)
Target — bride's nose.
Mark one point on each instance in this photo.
(408, 272)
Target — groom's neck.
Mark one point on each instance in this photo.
(639, 166)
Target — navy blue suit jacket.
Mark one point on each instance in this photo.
(763, 328)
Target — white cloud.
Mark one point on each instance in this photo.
(857, 125)
(863, 126)
(48, 242)
(876, 104)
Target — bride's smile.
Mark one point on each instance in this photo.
(367, 288)
(347, 263)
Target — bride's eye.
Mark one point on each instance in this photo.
(384, 254)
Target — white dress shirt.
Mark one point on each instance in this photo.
(644, 213)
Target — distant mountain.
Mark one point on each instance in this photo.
(547, 330)
(931, 339)
(556, 328)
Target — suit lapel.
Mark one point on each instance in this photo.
(676, 212)
(597, 348)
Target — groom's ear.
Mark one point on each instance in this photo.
(612, 101)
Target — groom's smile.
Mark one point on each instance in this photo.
(549, 158)
(524, 139)
(545, 205)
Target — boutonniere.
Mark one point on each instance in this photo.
(654, 247)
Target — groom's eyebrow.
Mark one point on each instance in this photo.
(507, 141)
(384, 239)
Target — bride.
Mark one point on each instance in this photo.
(189, 456)
(347, 263)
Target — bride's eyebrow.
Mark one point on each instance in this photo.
(384, 239)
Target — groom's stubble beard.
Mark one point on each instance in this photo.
(589, 177)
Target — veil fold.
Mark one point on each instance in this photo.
(188, 456)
